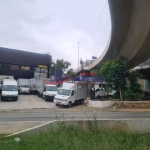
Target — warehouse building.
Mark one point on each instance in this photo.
(22, 64)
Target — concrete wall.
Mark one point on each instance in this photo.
(12, 127)
(103, 104)
(129, 125)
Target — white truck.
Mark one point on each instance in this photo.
(70, 93)
(100, 92)
(32, 85)
(9, 90)
(24, 85)
(45, 89)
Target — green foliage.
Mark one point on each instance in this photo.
(146, 95)
(70, 72)
(104, 71)
(134, 90)
(74, 137)
(60, 63)
(116, 72)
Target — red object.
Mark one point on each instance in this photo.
(48, 82)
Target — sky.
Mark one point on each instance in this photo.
(56, 27)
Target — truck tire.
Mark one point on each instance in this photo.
(82, 101)
(98, 97)
(39, 95)
(69, 104)
(45, 98)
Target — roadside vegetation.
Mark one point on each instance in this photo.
(75, 138)
(124, 82)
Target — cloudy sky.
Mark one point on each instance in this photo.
(56, 27)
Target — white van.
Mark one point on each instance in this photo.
(9, 90)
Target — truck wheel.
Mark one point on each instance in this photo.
(98, 97)
(69, 104)
(38, 94)
(45, 98)
(82, 101)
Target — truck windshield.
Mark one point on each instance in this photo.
(10, 88)
(24, 86)
(52, 88)
(64, 92)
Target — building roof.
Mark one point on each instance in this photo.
(19, 57)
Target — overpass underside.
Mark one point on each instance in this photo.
(130, 34)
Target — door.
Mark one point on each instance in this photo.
(72, 96)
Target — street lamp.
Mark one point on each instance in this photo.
(78, 55)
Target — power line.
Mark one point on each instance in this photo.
(95, 29)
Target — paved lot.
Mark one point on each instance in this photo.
(33, 102)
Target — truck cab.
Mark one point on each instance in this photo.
(49, 91)
(24, 88)
(65, 97)
(99, 92)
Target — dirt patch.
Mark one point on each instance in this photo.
(132, 105)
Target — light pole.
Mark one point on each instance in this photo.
(78, 55)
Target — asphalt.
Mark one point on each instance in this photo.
(49, 116)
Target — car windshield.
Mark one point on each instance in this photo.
(52, 88)
(24, 86)
(10, 88)
(64, 92)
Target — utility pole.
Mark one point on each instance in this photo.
(78, 55)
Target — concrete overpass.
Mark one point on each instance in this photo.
(130, 33)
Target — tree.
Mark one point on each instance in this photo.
(70, 72)
(134, 90)
(60, 63)
(117, 74)
(104, 71)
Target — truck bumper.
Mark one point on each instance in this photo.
(49, 98)
(9, 98)
(57, 102)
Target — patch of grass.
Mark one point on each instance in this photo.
(77, 138)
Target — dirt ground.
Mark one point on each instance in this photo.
(132, 105)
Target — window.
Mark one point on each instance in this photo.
(10, 88)
(64, 92)
(72, 94)
(52, 88)
(24, 86)
(44, 88)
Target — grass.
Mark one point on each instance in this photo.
(75, 138)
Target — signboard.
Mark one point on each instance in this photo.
(94, 57)
(58, 75)
(100, 79)
(14, 67)
(25, 68)
(42, 66)
(85, 74)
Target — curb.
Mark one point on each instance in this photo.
(117, 110)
